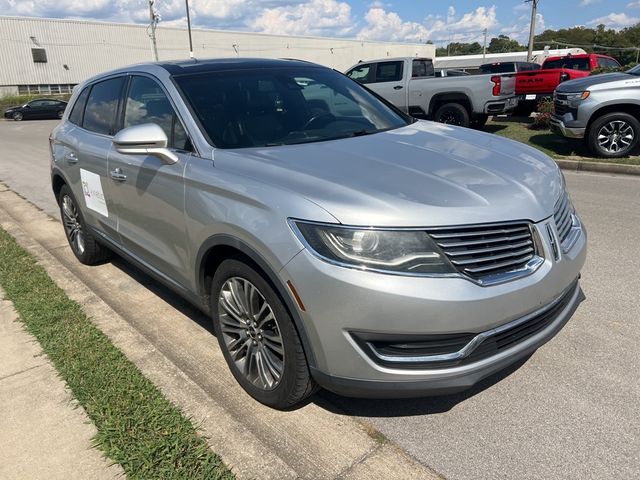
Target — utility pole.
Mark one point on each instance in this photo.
(189, 28)
(532, 28)
(484, 46)
(154, 17)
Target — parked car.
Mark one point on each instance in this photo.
(333, 239)
(37, 109)
(534, 86)
(412, 85)
(604, 110)
(508, 67)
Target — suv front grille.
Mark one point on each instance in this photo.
(560, 107)
(486, 250)
(564, 218)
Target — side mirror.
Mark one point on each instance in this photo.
(145, 139)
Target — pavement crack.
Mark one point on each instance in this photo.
(22, 371)
(361, 459)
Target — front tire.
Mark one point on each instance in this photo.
(452, 114)
(257, 337)
(17, 117)
(613, 135)
(82, 242)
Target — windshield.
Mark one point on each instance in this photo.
(635, 70)
(569, 63)
(284, 106)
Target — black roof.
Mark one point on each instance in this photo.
(220, 64)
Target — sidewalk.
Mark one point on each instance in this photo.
(42, 433)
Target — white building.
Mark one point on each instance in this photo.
(50, 56)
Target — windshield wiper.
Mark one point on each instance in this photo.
(361, 133)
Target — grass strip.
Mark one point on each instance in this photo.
(137, 426)
(548, 142)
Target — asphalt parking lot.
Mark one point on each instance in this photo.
(570, 411)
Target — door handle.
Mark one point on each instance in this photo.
(71, 158)
(118, 175)
(398, 87)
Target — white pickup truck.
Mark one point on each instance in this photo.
(412, 85)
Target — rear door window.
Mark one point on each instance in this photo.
(147, 103)
(102, 106)
(422, 69)
(388, 72)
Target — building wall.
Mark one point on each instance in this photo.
(78, 49)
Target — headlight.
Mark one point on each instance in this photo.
(400, 251)
(575, 98)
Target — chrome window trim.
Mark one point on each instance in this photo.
(490, 280)
(475, 341)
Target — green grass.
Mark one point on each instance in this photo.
(550, 143)
(13, 100)
(137, 426)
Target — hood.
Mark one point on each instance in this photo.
(12, 108)
(582, 84)
(424, 174)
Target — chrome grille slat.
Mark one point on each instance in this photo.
(491, 258)
(486, 240)
(480, 251)
(457, 253)
(563, 217)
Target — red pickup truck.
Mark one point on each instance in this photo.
(533, 86)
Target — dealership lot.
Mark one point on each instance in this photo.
(570, 411)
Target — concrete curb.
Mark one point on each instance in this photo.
(599, 167)
(255, 441)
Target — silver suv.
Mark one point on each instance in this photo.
(334, 240)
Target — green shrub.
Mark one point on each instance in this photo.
(545, 111)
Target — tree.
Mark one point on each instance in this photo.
(503, 44)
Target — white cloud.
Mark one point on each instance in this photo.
(586, 3)
(615, 20)
(386, 25)
(633, 5)
(315, 17)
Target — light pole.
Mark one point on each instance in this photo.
(189, 28)
(153, 15)
(532, 28)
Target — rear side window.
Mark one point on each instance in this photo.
(498, 68)
(102, 106)
(607, 63)
(569, 63)
(422, 68)
(388, 72)
(147, 103)
(75, 116)
(361, 74)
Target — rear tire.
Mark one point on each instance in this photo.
(258, 338)
(82, 242)
(613, 135)
(60, 113)
(452, 114)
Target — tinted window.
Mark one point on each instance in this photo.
(527, 67)
(102, 105)
(607, 63)
(361, 73)
(147, 103)
(388, 72)
(78, 108)
(497, 68)
(569, 63)
(283, 106)
(38, 103)
(422, 68)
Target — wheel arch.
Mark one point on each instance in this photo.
(628, 108)
(450, 97)
(220, 247)
(57, 181)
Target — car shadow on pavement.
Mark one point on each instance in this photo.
(408, 407)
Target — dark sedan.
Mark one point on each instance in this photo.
(37, 109)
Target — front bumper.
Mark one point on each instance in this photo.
(340, 301)
(501, 106)
(559, 127)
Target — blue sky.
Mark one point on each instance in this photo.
(395, 20)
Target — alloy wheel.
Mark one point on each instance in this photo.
(251, 333)
(17, 116)
(72, 225)
(450, 118)
(616, 136)
(60, 113)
